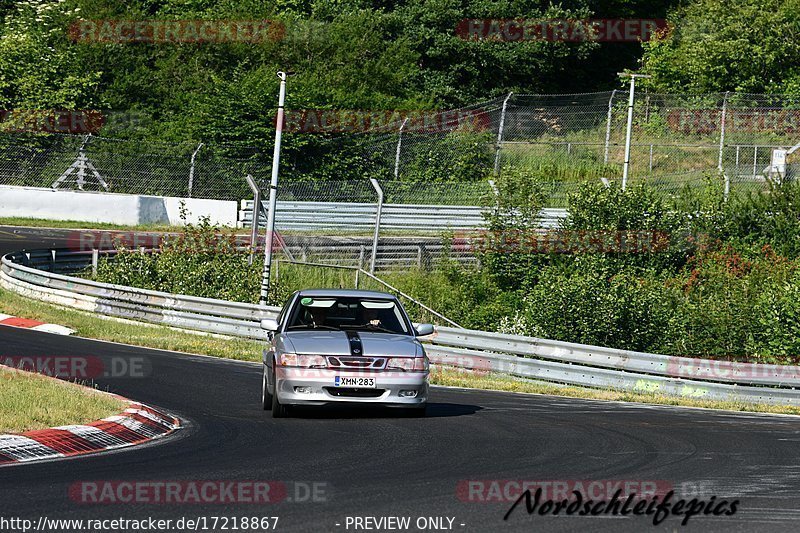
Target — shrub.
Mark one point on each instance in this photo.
(592, 304)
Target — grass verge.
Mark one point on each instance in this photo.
(151, 336)
(77, 224)
(456, 378)
(30, 401)
(164, 338)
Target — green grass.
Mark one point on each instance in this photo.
(30, 401)
(152, 336)
(180, 341)
(457, 378)
(77, 224)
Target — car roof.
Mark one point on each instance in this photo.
(348, 293)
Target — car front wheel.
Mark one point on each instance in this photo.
(266, 397)
(278, 409)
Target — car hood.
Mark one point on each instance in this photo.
(337, 343)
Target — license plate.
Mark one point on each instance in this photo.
(361, 383)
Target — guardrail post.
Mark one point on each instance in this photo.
(608, 125)
(376, 234)
(500, 135)
(191, 168)
(95, 261)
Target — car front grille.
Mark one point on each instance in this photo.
(356, 363)
(350, 392)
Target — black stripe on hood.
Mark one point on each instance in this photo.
(354, 339)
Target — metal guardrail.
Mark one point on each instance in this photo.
(36, 275)
(344, 216)
(40, 275)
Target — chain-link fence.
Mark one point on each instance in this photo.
(94, 163)
(447, 157)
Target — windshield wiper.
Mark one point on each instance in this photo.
(309, 326)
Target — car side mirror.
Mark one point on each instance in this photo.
(424, 329)
(269, 324)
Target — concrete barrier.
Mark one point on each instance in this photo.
(125, 209)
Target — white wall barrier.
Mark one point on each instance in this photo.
(126, 209)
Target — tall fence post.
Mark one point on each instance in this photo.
(608, 125)
(376, 234)
(191, 169)
(397, 152)
(273, 192)
(256, 212)
(627, 164)
(722, 145)
(500, 135)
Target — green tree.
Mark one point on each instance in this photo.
(749, 46)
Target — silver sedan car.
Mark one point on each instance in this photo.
(331, 346)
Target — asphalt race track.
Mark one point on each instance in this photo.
(336, 464)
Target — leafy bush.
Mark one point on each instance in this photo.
(589, 303)
(731, 306)
(203, 261)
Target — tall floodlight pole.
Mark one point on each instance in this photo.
(627, 163)
(273, 193)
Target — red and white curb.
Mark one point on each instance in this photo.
(8, 320)
(136, 425)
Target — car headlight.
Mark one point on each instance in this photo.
(303, 361)
(408, 364)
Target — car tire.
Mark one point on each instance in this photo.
(278, 409)
(266, 397)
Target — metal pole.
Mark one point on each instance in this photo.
(82, 164)
(722, 129)
(191, 169)
(273, 192)
(650, 166)
(626, 166)
(608, 125)
(256, 212)
(755, 158)
(500, 135)
(397, 153)
(376, 234)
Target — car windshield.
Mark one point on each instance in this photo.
(348, 314)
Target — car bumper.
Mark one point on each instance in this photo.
(317, 388)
